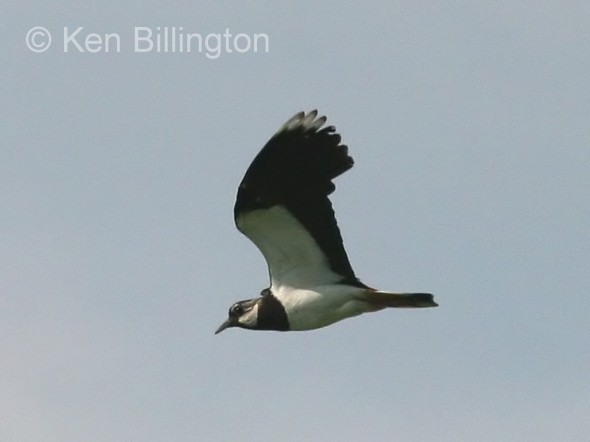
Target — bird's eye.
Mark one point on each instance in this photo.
(236, 310)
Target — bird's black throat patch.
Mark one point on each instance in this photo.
(271, 313)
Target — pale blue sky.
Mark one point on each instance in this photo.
(469, 124)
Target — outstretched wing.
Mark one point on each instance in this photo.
(282, 204)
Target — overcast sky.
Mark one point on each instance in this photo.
(469, 125)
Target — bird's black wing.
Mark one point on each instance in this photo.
(282, 204)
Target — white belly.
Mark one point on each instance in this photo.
(309, 309)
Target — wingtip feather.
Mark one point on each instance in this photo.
(307, 122)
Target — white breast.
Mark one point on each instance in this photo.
(308, 309)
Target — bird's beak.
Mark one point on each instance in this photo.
(227, 324)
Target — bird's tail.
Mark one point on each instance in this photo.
(400, 300)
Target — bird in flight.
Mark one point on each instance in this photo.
(282, 206)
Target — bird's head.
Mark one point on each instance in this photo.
(242, 314)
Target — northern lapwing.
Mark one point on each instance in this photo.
(282, 206)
